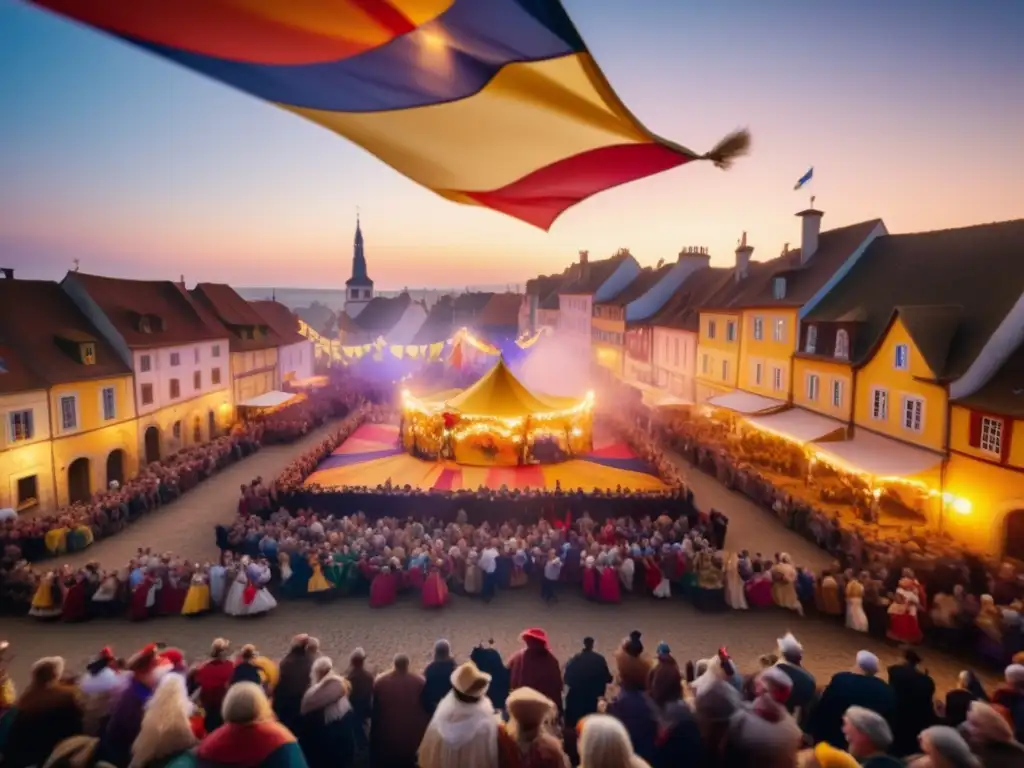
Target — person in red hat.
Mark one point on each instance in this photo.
(147, 667)
(536, 667)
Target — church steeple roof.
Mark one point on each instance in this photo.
(359, 274)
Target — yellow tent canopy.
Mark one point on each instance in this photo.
(498, 393)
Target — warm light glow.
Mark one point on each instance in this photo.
(433, 41)
(406, 393)
(877, 493)
(577, 432)
(961, 506)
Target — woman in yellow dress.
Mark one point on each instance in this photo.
(46, 602)
(197, 601)
(317, 582)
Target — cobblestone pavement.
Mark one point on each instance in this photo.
(346, 623)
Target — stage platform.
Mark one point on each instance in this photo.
(371, 457)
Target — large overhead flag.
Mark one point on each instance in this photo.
(496, 103)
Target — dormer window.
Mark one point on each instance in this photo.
(88, 352)
(144, 325)
(779, 288)
(842, 345)
(812, 339)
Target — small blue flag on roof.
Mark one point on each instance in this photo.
(805, 178)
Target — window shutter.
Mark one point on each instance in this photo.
(1007, 436)
(974, 438)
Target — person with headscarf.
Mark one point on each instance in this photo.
(399, 720)
(608, 590)
(327, 733)
(958, 701)
(784, 585)
(295, 670)
(858, 687)
(167, 725)
(735, 596)
(805, 687)
(605, 743)
(1010, 696)
(991, 738)
(438, 676)
(868, 737)
(591, 579)
(666, 680)
(915, 708)
(47, 712)
(463, 730)
(526, 740)
(763, 732)
(944, 747)
(251, 736)
(535, 666)
(633, 706)
(211, 680)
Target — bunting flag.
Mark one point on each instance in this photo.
(494, 103)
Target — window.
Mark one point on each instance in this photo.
(145, 364)
(725, 370)
(879, 404)
(107, 396)
(195, 353)
(779, 288)
(779, 330)
(21, 426)
(175, 388)
(991, 435)
(675, 355)
(842, 345)
(712, 328)
(777, 379)
(837, 393)
(758, 328)
(89, 354)
(813, 385)
(176, 430)
(730, 331)
(704, 364)
(28, 492)
(902, 357)
(175, 359)
(215, 376)
(913, 413)
(197, 380)
(812, 339)
(758, 370)
(69, 412)
(146, 393)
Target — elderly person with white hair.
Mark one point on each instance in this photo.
(868, 737)
(860, 687)
(805, 686)
(990, 737)
(328, 731)
(1011, 696)
(166, 725)
(944, 747)
(604, 743)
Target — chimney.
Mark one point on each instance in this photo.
(810, 229)
(584, 257)
(698, 255)
(743, 252)
(8, 272)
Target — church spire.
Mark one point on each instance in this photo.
(359, 274)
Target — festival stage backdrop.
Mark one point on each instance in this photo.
(371, 457)
(495, 103)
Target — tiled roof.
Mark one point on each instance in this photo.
(439, 323)
(382, 313)
(803, 281)
(1004, 392)
(472, 302)
(281, 319)
(682, 311)
(44, 328)
(176, 320)
(239, 317)
(15, 375)
(589, 277)
(953, 287)
(501, 310)
(317, 316)
(647, 278)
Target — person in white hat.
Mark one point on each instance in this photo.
(805, 687)
(859, 687)
(464, 728)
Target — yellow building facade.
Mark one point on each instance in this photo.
(769, 339)
(608, 334)
(254, 373)
(95, 436)
(26, 459)
(718, 353)
(824, 386)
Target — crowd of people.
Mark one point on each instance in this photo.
(242, 709)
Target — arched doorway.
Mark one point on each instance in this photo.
(79, 482)
(211, 417)
(197, 430)
(1014, 523)
(152, 444)
(115, 467)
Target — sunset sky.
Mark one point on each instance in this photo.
(912, 111)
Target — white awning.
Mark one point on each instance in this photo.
(746, 402)
(656, 397)
(798, 424)
(879, 456)
(270, 399)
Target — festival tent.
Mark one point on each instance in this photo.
(498, 393)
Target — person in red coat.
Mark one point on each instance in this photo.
(75, 606)
(591, 580)
(608, 587)
(536, 667)
(435, 591)
(383, 588)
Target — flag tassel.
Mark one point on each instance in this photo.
(735, 145)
